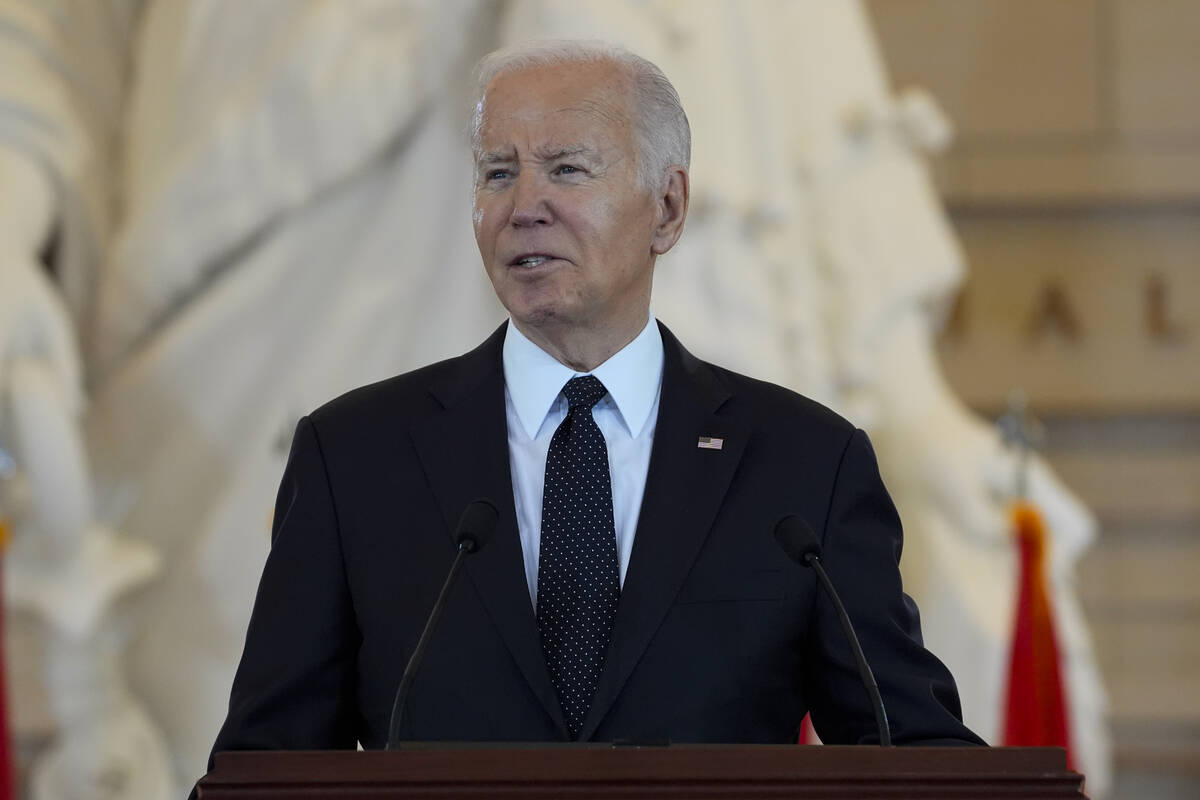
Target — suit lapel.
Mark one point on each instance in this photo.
(464, 450)
(685, 487)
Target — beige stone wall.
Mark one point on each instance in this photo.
(1057, 102)
(1074, 185)
(1089, 310)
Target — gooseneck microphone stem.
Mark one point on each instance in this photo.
(864, 669)
(798, 541)
(475, 526)
(414, 662)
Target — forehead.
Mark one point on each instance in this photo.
(583, 101)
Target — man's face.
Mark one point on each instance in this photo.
(563, 225)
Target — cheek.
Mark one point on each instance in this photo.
(607, 212)
(601, 221)
(484, 222)
(626, 226)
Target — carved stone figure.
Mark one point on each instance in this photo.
(62, 566)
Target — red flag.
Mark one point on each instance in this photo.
(808, 734)
(7, 787)
(1036, 711)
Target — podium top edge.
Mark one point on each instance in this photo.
(426, 761)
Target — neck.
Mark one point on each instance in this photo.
(584, 349)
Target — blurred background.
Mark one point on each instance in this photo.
(930, 214)
(1074, 187)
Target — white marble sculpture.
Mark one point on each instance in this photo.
(293, 222)
(299, 193)
(62, 567)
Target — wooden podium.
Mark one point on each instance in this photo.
(540, 772)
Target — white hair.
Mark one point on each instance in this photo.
(663, 135)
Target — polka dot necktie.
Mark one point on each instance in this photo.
(578, 586)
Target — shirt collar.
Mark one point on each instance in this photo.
(535, 379)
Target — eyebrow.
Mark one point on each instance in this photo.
(564, 152)
(497, 157)
(509, 156)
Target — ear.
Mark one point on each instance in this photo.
(672, 210)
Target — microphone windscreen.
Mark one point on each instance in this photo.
(796, 538)
(476, 524)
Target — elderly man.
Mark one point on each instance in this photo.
(632, 588)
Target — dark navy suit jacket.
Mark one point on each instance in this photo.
(718, 637)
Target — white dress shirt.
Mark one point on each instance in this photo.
(626, 416)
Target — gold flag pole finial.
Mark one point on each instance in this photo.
(8, 470)
(1024, 432)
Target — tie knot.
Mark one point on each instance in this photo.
(585, 391)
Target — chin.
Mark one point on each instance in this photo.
(539, 311)
(539, 317)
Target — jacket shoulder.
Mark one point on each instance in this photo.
(783, 411)
(786, 412)
(407, 391)
(405, 397)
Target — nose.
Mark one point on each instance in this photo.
(530, 206)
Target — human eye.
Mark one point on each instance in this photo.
(568, 169)
(498, 174)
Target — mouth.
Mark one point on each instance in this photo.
(531, 260)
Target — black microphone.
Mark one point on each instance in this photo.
(476, 524)
(800, 543)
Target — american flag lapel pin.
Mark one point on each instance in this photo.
(710, 443)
